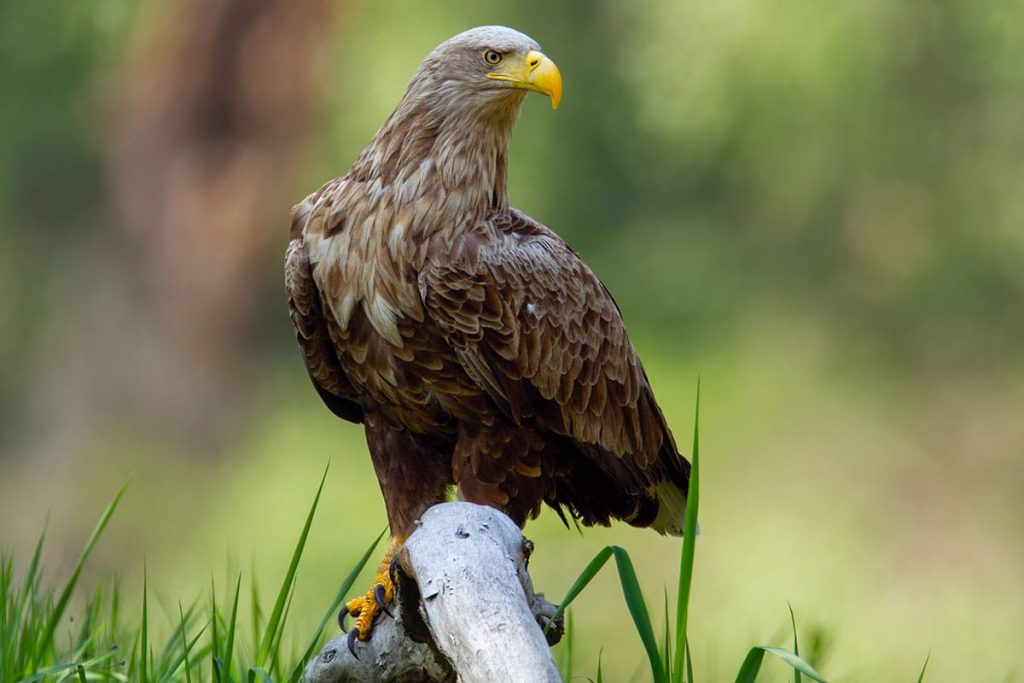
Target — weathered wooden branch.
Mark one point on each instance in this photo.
(466, 610)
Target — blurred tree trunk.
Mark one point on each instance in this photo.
(211, 115)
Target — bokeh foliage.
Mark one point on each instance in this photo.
(818, 206)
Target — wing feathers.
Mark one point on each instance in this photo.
(313, 334)
(539, 332)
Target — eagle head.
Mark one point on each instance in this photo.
(488, 65)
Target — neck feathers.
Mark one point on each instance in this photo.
(446, 142)
(436, 168)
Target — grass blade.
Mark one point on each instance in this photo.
(666, 643)
(171, 655)
(796, 644)
(185, 647)
(796, 662)
(689, 547)
(752, 664)
(51, 672)
(264, 677)
(343, 589)
(275, 647)
(568, 640)
(230, 645)
(86, 632)
(115, 606)
(29, 586)
(215, 648)
(144, 656)
(585, 577)
(257, 609)
(638, 610)
(634, 601)
(46, 635)
(275, 616)
(689, 663)
(920, 678)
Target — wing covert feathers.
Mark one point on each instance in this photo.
(311, 328)
(537, 329)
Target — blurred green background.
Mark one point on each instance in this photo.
(816, 207)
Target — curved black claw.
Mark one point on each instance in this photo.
(341, 618)
(393, 569)
(378, 594)
(352, 635)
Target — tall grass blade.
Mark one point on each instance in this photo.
(195, 656)
(689, 547)
(796, 644)
(796, 662)
(920, 678)
(569, 638)
(171, 654)
(275, 647)
(752, 664)
(50, 673)
(282, 596)
(45, 639)
(133, 657)
(115, 606)
(689, 663)
(7, 632)
(634, 601)
(86, 632)
(258, 674)
(585, 577)
(143, 656)
(343, 589)
(29, 587)
(666, 643)
(185, 647)
(256, 613)
(215, 648)
(229, 646)
(638, 610)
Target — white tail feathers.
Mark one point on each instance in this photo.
(671, 509)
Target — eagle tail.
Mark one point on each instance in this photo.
(671, 508)
(670, 492)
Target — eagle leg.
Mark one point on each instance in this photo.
(367, 608)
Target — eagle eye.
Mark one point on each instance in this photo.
(492, 57)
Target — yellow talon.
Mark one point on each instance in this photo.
(367, 607)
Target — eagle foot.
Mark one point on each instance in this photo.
(366, 609)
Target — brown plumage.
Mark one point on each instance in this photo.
(474, 345)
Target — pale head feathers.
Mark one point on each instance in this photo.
(461, 58)
(436, 166)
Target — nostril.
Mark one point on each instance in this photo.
(534, 62)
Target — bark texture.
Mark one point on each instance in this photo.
(466, 610)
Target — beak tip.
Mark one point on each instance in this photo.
(545, 78)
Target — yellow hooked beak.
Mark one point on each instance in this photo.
(534, 72)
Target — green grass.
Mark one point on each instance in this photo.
(39, 639)
(672, 663)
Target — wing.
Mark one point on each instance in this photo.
(533, 325)
(311, 329)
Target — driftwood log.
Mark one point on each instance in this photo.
(466, 610)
